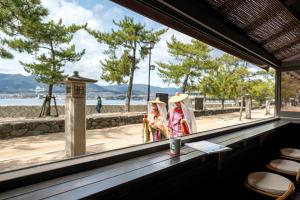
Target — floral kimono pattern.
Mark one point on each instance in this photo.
(154, 128)
(178, 129)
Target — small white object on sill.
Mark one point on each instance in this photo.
(208, 147)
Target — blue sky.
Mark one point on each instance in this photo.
(99, 15)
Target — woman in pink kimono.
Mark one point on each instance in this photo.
(155, 123)
(181, 119)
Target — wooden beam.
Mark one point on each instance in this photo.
(218, 26)
(295, 63)
(287, 55)
(289, 4)
(292, 58)
(287, 46)
(229, 5)
(291, 26)
(200, 21)
(266, 16)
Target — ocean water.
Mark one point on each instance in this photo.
(38, 102)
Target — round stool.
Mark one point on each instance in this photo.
(270, 184)
(288, 167)
(290, 153)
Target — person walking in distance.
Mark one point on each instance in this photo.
(99, 104)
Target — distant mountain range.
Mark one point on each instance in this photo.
(141, 89)
(16, 83)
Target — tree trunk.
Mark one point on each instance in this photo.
(268, 107)
(130, 84)
(204, 101)
(185, 82)
(222, 104)
(48, 101)
(248, 108)
(241, 108)
(260, 103)
(49, 96)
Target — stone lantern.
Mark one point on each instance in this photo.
(75, 121)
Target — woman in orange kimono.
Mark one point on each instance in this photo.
(155, 123)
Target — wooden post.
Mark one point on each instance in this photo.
(241, 107)
(248, 102)
(268, 102)
(75, 119)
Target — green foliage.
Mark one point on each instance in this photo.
(116, 69)
(290, 86)
(261, 90)
(229, 78)
(49, 43)
(225, 78)
(190, 62)
(17, 17)
(127, 46)
(130, 38)
(262, 86)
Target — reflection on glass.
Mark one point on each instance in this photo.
(181, 121)
(290, 91)
(154, 125)
(181, 116)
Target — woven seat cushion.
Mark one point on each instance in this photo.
(285, 166)
(269, 182)
(290, 152)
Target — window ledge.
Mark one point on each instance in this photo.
(38, 173)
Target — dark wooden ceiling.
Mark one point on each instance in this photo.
(293, 6)
(264, 32)
(272, 24)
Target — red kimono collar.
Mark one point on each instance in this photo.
(178, 110)
(155, 113)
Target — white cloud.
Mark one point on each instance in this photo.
(159, 53)
(71, 13)
(99, 17)
(98, 8)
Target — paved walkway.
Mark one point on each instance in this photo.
(25, 151)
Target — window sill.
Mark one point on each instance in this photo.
(38, 173)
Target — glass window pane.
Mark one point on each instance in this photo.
(290, 91)
(157, 61)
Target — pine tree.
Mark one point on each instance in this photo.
(190, 61)
(262, 85)
(127, 46)
(15, 18)
(50, 44)
(224, 78)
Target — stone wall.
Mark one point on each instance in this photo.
(40, 126)
(52, 125)
(34, 111)
(29, 128)
(199, 113)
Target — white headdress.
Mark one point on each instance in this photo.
(161, 109)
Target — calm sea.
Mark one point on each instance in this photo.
(38, 102)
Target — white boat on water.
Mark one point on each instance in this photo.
(40, 96)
